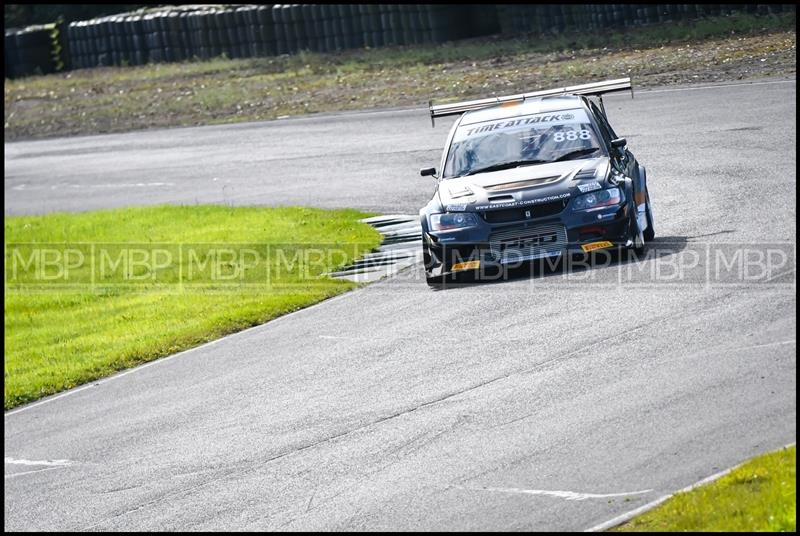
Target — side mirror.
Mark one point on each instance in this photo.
(619, 143)
(428, 172)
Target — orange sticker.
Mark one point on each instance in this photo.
(596, 245)
(469, 265)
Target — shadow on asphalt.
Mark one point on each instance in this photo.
(659, 248)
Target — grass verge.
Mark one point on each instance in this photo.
(223, 91)
(758, 496)
(92, 293)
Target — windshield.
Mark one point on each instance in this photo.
(525, 140)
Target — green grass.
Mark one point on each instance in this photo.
(67, 327)
(758, 496)
(117, 99)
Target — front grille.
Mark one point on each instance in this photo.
(519, 214)
(530, 242)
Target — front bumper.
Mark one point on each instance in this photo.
(512, 243)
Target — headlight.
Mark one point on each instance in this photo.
(598, 199)
(455, 220)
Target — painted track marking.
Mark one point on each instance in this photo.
(568, 495)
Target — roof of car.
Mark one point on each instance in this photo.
(527, 107)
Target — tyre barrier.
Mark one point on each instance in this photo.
(181, 33)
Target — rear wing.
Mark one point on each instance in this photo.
(597, 89)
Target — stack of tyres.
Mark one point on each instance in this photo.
(357, 26)
(343, 12)
(211, 31)
(13, 68)
(175, 47)
(318, 24)
(126, 34)
(439, 23)
(162, 37)
(396, 24)
(267, 27)
(374, 25)
(229, 24)
(109, 30)
(186, 35)
(241, 30)
(139, 50)
(208, 22)
(9, 50)
(250, 46)
(122, 29)
(298, 26)
(326, 20)
(309, 28)
(160, 20)
(220, 20)
(32, 51)
(385, 16)
(75, 52)
(338, 27)
(151, 39)
(407, 28)
(419, 23)
(567, 16)
(88, 42)
(289, 30)
(366, 26)
(101, 42)
(280, 29)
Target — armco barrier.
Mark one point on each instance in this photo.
(180, 33)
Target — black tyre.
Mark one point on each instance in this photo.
(650, 232)
(636, 235)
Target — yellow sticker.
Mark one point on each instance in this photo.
(469, 265)
(596, 245)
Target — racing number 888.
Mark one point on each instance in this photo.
(572, 135)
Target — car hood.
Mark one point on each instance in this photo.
(523, 186)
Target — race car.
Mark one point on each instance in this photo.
(533, 176)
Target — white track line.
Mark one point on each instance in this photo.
(620, 519)
(51, 463)
(568, 495)
(47, 465)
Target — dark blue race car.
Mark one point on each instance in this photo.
(533, 176)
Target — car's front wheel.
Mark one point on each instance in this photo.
(636, 236)
(650, 232)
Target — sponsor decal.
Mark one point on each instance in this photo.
(589, 187)
(469, 265)
(458, 207)
(596, 245)
(529, 120)
(528, 202)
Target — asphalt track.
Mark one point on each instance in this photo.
(549, 402)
